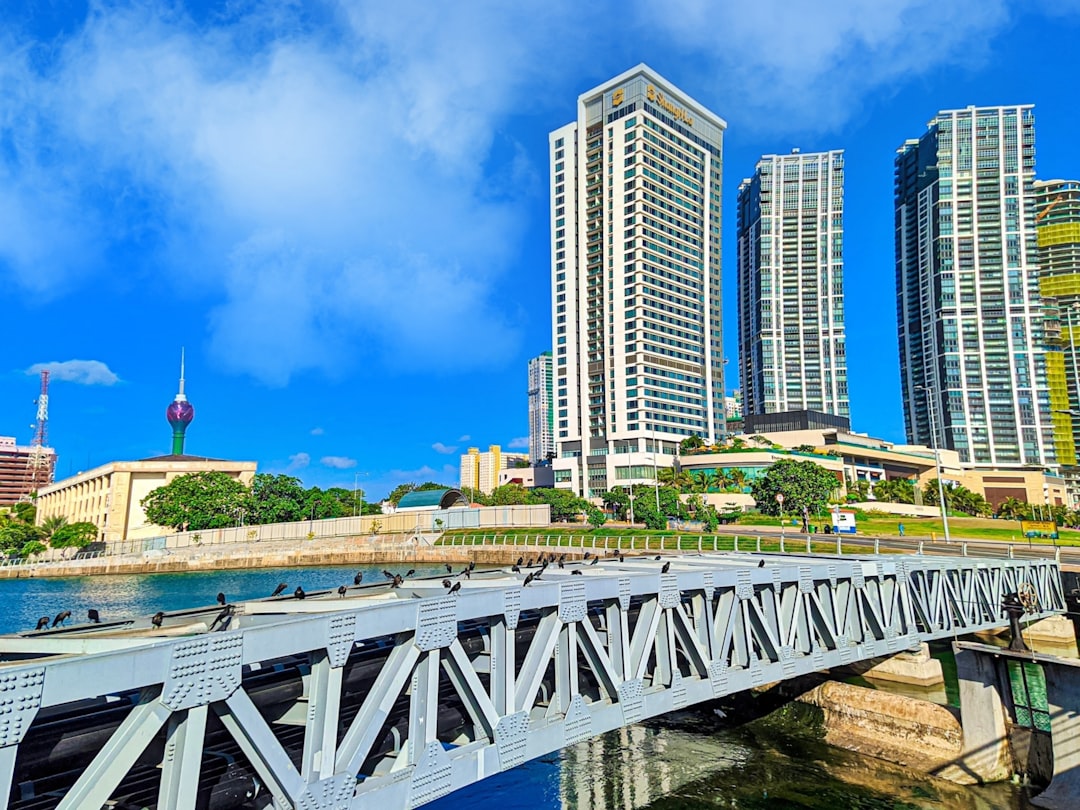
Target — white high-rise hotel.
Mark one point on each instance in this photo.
(791, 285)
(970, 318)
(635, 213)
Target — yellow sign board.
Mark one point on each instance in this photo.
(1038, 528)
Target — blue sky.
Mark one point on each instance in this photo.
(340, 208)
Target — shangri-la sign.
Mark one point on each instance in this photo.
(655, 96)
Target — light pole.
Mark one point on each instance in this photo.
(656, 481)
(928, 391)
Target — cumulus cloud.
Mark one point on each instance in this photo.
(439, 447)
(299, 461)
(82, 372)
(338, 462)
(520, 443)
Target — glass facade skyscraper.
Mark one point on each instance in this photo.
(541, 408)
(792, 352)
(635, 246)
(969, 315)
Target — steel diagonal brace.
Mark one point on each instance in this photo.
(96, 784)
(598, 659)
(384, 693)
(644, 636)
(535, 664)
(183, 759)
(243, 721)
(468, 686)
(690, 643)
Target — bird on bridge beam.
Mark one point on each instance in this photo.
(221, 598)
(472, 565)
(587, 555)
(280, 589)
(446, 584)
(93, 616)
(388, 574)
(299, 592)
(397, 581)
(455, 587)
(158, 618)
(595, 560)
(666, 567)
(341, 590)
(761, 564)
(221, 621)
(412, 571)
(516, 568)
(61, 617)
(449, 568)
(358, 578)
(520, 562)
(528, 580)
(42, 623)
(576, 571)
(561, 564)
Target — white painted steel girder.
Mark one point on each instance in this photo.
(625, 641)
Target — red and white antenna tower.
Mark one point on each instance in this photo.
(39, 464)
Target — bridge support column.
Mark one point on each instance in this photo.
(917, 668)
(1063, 697)
(982, 716)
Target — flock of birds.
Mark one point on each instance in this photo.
(222, 620)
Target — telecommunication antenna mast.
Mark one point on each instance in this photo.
(38, 463)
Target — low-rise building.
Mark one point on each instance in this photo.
(480, 471)
(109, 496)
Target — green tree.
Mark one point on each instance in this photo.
(691, 443)
(509, 495)
(565, 505)
(806, 488)
(596, 516)
(276, 499)
(25, 511)
(645, 509)
(14, 534)
(709, 519)
(617, 501)
(1013, 509)
(51, 524)
(196, 501)
(32, 548)
(74, 535)
(475, 496)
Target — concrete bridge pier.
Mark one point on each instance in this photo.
(1063, 696)
(986, 755)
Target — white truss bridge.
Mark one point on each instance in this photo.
(391, 697)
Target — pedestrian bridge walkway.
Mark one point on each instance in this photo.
(388, 697)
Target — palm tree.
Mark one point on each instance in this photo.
(51, 524)
(737, 478)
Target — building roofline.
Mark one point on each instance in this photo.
(642, 69)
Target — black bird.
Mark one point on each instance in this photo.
(93, 616)
(412, 571)
(531, 563)
(561, 563)
(280, 588)
(449, 570)
(456, 587)
(358, 578)
(521, 561)
(562, 558)
(221, 598)
(341, 590)
(398, 580)
(446, 584)
(622, 558)
(761, 564)
(42, 623)
(299, 592)
(158, 618)
(528, 580)
(576, 571)
(61, 617)
(587, 555)
(468, 573)
(472, 564)
(515, 568)
(595, 560)
(388, 574)
(657, 557)
(222, 619)
(666, 568)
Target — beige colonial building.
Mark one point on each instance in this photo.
(109, 496)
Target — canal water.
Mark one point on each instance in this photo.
(684, 761)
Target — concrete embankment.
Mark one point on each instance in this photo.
(340, 551)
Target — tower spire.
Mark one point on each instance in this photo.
(179, 413)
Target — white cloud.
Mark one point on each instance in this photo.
(299, 461)
(338, 462)
(464, 438)
(317, 431)
(787, 65)
(520, 443)
(83, 372)
(446, 450)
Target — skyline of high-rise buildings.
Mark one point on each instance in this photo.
(969, 316)
(541, 408)
(635, 264)
(790, 280)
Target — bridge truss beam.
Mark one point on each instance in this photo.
(393, 698)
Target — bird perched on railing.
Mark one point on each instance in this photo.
(666, 567)
(223, 619)
(221, 598)
(299, 592)
(61, 617)
(157, 618)
(280, 589)
(42, 623)
(341, 590)
(93, 616)
(455, 587)
(594, 561)
(358, 578)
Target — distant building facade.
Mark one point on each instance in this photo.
(636, 283)
(973, 368)
(108, 496)
(541, 409)
(23, 469)
(792, 350)
(480, 471)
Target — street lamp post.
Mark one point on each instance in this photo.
(928, 392)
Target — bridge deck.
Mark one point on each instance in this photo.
(391, 697)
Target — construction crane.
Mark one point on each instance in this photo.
(39, 463)
(1039, 217)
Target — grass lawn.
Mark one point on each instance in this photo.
(960, 528)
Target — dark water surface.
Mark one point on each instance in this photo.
(681, 762)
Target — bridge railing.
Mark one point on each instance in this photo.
(392, 700)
